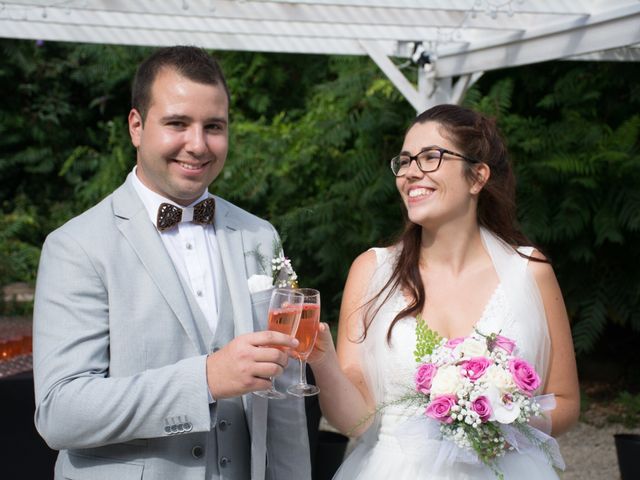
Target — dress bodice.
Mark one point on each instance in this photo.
(394, 362)
(398, 359)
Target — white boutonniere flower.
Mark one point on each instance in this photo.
(258, 283)
(282, 273)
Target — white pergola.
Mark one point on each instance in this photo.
(451, 42)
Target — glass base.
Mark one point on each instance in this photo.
(271, 393)
(303, 390)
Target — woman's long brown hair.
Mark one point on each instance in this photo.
(478, 137)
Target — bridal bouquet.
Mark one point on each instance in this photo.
(480, 393)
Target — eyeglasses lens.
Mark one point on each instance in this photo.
(427, 160)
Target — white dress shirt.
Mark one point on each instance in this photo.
(192, 247)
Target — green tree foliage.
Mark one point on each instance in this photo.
(574, 142)
(310, 141)
(321, 173)
(55, 100)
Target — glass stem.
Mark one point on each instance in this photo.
(303, 371)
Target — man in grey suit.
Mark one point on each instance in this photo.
(147, 339)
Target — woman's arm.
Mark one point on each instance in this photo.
(345, 399)
(562, 380)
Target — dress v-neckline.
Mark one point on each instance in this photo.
(483, 315)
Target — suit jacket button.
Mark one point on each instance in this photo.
(223, 424)
(197, 451)
(167, 429)
(188, 426)
(224, 461)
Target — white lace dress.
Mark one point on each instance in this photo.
(383, 453)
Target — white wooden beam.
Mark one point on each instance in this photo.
(151, 36)
(431, 90)
(464, 83)
(612, 29)
(404, 86)
(623, 54)
(540, 30)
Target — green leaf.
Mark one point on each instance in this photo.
(426, 339)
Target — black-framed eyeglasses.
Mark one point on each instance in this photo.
(428, 160)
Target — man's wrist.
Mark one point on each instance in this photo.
(210, 395)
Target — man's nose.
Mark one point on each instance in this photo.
(196, 141)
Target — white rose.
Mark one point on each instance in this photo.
(447, 381)
(472, 347)
(258, 283)
(499, 378)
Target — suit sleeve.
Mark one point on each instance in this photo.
(78, 404)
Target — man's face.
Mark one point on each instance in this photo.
(182, 145)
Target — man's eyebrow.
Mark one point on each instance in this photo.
(217, 120)
(187, 119)
(182, 118)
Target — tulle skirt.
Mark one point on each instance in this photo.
(388, 458)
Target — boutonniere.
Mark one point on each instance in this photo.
(277, 273)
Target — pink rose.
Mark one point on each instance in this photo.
(524, 375)
(424, 377)
(454, 342)
(482, 407)
(440, 408)
(505, 343)
(475, 367)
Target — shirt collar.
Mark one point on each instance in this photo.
(152, 200)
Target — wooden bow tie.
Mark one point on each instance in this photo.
(170, 215)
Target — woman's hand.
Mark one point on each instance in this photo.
(323, 348)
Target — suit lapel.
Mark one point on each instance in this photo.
(145, 241)
(230, 242)
(223, 296)
(232, 255)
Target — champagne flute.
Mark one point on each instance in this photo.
(285, 309)
(306, 335)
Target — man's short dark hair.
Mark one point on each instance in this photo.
(191, 62)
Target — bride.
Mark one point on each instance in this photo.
(462, 265)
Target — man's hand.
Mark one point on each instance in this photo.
(245, 364)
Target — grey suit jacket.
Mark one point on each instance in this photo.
(120, 348)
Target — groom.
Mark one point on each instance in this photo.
(147, 340)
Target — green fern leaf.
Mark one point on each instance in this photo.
(426, 339)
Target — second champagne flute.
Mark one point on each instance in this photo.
(285, 309)
(306, 335)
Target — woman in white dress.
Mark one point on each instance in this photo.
(463, 265)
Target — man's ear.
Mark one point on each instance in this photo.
(483, 172)
(135, 127)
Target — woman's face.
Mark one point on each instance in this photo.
(434, 198)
